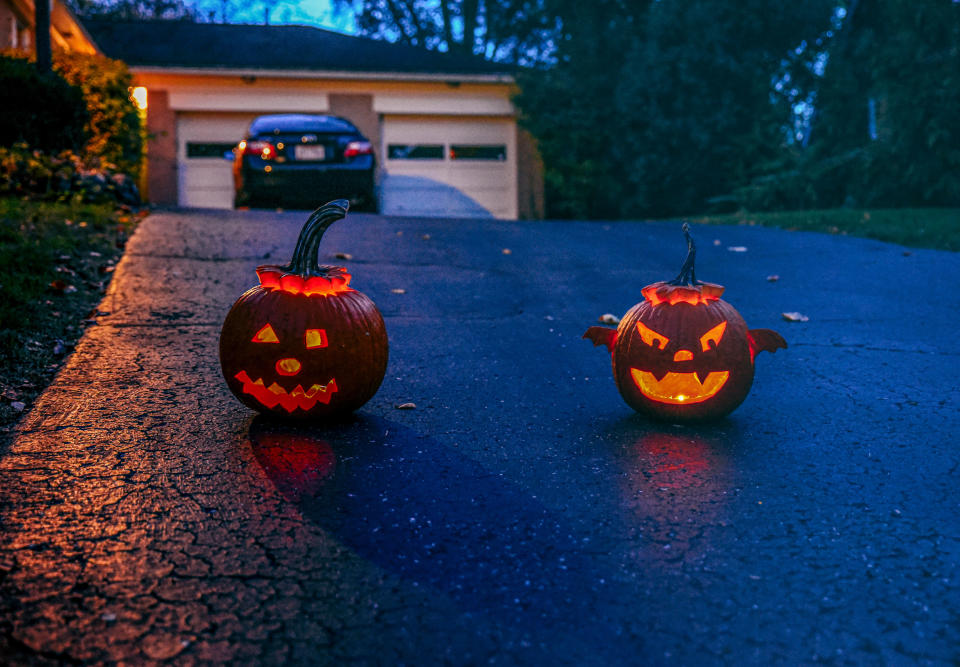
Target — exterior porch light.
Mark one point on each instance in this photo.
(139, 97)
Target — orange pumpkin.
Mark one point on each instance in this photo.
(304, 343)
(684, 354)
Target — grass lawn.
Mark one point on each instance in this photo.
(55, 262)
(937, 228)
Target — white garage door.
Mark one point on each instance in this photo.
(205, 178)
(449, 167)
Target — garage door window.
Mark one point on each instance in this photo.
(415, 151)
(208, 149)
(496, 153)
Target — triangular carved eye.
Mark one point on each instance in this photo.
(651, 337)
(715, 334)
(266, 335)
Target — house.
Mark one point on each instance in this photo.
(443, 126)
(66, 31)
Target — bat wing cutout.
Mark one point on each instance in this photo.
(605, 336)
(762, 340)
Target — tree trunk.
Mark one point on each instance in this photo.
(41, 19)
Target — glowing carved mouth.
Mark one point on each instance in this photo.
(298, 397)
(679, 388)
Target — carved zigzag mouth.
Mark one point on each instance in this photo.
(679, 388)
(298, 397)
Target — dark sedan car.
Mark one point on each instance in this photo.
(305, 160)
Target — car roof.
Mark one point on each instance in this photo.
(295, 122)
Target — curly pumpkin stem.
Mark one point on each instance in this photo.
(687, 275)
(305, 260)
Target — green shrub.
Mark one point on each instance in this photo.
(114, 126)
(44, 111)
(37, 174)
(111, 128)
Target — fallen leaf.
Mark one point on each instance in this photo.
(343, 255)
(399, 290)
(18, 406)
(506, 251)
(62, 287)
(425, 237)
(737, 248)
(406, 406)
(795, 317)
(716, 242)
(609, 318)
(773, 278)
(94, 253)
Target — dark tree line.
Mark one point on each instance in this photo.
(665, 107)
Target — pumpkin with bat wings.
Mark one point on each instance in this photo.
(683, 353)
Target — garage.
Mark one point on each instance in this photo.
(205, 177)
(443, 125)
(450, 167)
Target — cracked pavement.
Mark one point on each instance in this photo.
(521, 514)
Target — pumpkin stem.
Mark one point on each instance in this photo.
(687, 275)
(305, 254)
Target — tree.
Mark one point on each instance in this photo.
(702, 115)
(41, 22)
(662, 107)
(511, 31)
(569, 106)
(887, 131)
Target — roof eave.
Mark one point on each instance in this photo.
(449, 77)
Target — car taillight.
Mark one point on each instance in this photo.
(355, 148)
(262, 149)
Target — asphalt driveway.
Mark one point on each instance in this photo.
(520, 514)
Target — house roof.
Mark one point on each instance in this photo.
(186, 45)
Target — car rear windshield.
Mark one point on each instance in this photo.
(299, 123)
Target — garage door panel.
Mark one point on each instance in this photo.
(489, 184)
(205, 177)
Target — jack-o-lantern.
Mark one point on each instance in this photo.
(303, 342)
(684, 354)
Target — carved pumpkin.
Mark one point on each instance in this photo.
(684, 354)
(304, 343)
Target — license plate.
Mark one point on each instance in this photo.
(310, 152)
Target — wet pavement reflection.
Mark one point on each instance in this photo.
(420, 511)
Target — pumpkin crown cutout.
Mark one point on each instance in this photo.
(303, 343)
(685, 288)
(304, 275)
(683, 353)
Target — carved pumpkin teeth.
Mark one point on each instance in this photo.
(679, 388)
(296, 398)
